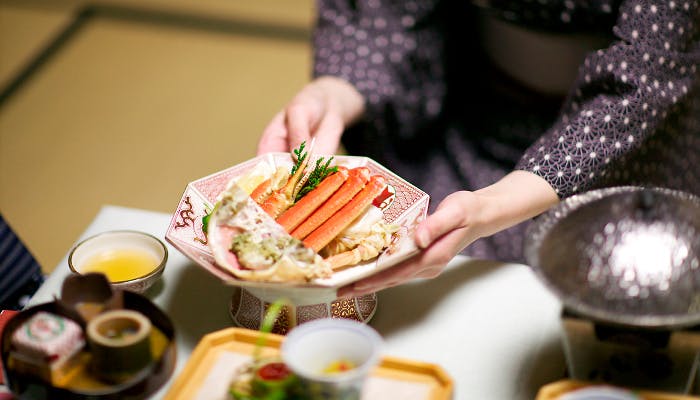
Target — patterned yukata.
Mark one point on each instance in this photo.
(439, 113)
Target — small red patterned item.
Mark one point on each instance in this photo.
(46, 344)
(5, 316)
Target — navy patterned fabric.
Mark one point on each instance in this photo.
(20, 274)
(442, 116)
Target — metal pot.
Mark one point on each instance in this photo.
(622, 255)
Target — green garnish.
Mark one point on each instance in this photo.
(205, 223)
(320, 172)
(257, 386)
(300, 155)
(273, 312)
(207, 217)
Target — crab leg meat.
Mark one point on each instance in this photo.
(301, 210)
(283, 198)
(351, 257)
(322, 235)
(263, 190)
(357, 178)
(266, 187)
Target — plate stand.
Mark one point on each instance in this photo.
(247, 309)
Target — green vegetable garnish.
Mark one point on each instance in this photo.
(268, 323)
(205, 223)
(277, 383)
(300, 156)
(320, 172)
(207, 217)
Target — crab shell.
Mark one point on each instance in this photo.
(238, 213)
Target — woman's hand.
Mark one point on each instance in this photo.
(460, 219)
(321, 110)
(443, 234)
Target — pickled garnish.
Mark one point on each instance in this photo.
(339, 366)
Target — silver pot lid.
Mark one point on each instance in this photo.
(623, 255)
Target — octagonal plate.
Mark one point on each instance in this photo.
(407, 206)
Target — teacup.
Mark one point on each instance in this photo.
(332, 357)
(131, 260)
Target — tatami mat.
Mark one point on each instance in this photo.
(128, 110)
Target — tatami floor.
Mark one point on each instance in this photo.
(125, 102)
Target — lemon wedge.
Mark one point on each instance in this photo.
(255, 176)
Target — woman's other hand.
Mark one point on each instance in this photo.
(321, 110)
(460, 219)
(452, 226)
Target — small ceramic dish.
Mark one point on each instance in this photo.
(131, 260)
(333, 357)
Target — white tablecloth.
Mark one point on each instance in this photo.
(493, 327)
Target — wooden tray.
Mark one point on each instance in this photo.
(556, 389)
(213, 363)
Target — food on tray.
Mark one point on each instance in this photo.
(264, 380)
(120, 344)
(89, 309)
(47, 346)
(339, 366)
(52, 353)
(271, 224)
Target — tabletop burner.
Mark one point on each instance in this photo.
(625, 262)
(654, 359)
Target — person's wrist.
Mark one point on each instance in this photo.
(513, 199)
(486, 221)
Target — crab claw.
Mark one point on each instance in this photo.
(282, 199)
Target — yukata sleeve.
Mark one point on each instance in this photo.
(390, 52)
(624, 96)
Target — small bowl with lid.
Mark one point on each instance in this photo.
(131, 260)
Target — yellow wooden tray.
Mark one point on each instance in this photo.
(554, 390)
(212, 365)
